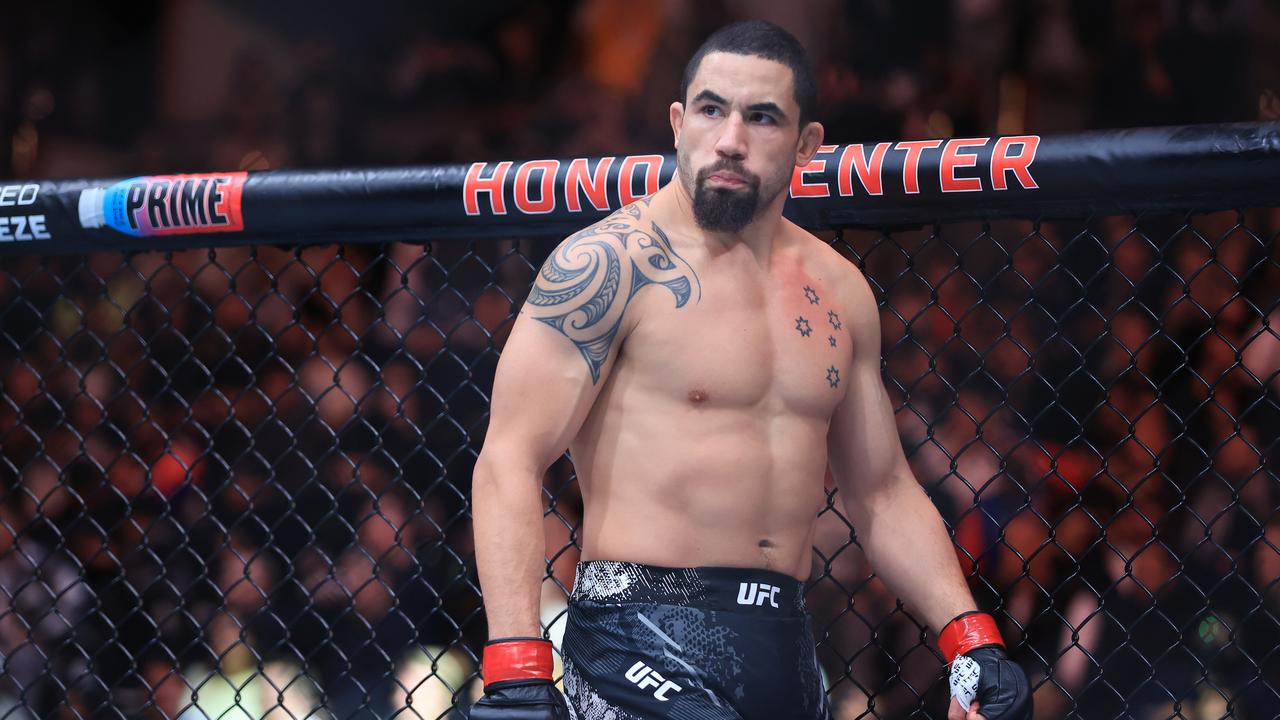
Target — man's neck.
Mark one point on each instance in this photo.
(674, 207)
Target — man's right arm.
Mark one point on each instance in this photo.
(559, 355)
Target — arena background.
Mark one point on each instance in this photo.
(236, 478)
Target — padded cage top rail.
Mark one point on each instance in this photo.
(905, 183)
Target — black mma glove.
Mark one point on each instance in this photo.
(517, 682)
(981, 671)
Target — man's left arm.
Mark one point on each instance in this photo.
(899, 528)
(897, 524)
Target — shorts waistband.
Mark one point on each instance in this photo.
(709, 588)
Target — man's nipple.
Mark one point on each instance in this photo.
(697, 397)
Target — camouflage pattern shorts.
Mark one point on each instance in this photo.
(646, 642)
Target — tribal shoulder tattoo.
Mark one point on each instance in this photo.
(584, 288)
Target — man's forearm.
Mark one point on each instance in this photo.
(510, 546)
(909, 548)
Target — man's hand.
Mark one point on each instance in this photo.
(1003, 692)
(517, 682)
(521, 700)
(985, 684)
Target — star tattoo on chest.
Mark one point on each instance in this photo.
(802, 325)
(831, 339)
(833, 376)
(811, 295)
(834, 319)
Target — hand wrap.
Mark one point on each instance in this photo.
(980, 671)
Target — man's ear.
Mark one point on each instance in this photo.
(811, 136)
(677, 121)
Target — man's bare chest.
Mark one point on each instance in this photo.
(777, 342)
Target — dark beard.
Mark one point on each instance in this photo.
(723, 209)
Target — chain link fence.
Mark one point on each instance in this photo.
(236, 480)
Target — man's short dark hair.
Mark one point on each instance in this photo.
(763, 39)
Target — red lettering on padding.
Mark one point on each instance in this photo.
(652, 171)
(577, 180)
(546, 201)
(952, 159)
(474, 185)
(800, 188)
(1020, 164)
(870, 174)
(911, 166)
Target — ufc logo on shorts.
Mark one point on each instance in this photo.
(757, 593)
(646, 677)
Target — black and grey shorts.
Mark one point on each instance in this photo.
(646, 642)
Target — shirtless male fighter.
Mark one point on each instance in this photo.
(705, 360)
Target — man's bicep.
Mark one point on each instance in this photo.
(560, 351)
(542, 393)
(863, 444)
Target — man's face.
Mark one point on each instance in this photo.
(737, 138)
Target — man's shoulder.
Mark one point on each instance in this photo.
(632, 236)
(604, 265)
(621, 229)
(832, 264)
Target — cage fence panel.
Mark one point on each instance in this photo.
(236, 479)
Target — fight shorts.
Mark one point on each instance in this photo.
(707, 643)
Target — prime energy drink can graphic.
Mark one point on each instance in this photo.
(167, 205)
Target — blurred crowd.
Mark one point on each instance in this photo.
(221, 84)
(236, 481)
(1095, 408)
